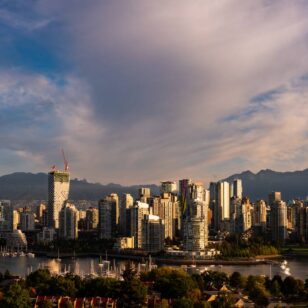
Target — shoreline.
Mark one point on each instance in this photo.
(165, 260)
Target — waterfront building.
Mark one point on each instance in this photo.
(196, 226)
(138, 211)
(302, 227)
(115, 199)
(46, 235)
(27, 220)
(273, 197)
(68, 222)
(92, 218)
(107, 218)
(15, 239)
(15, 220)
(124, 243)
(279, 222)
(259, 217)
(168, 187)
(58, 192)
(127, 202)
(153, 233)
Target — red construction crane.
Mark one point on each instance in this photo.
(65, 161)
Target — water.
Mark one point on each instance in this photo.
(23, 265)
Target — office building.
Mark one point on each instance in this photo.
(107, 218)
(153, 233)
(58, 192)
(68, 222)
(41, 208)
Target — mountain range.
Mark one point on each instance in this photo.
(29, 186)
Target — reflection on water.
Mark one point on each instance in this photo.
(83, 266)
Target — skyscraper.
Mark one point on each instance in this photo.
(138, 211)
(107, 218)
(168, 187)
(223, 205)
(58, 192)
(127, 201)
(68, 222)
(279, 221)
(237, 188)
(196, 227)
(259, 217)
(273, 197)
(152, 233)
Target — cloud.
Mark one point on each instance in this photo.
(170, 89)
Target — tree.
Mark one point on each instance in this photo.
(133, 292)
(16, 297)
(237, 280)
(289, 286)
(172, 283)
(259, 296)
(215, 280)
(275, 288)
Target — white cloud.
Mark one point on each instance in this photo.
(159, 79)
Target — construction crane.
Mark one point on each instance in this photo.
(65, 161)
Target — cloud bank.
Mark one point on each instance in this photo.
(143, 91)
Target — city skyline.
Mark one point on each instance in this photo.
(143, 92)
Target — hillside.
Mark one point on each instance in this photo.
(258, 185)
(29, 186)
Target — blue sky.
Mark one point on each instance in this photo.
(144, 91)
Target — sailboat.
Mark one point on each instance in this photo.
(100, 262)
(58, 258)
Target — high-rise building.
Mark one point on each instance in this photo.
(144, 194)
(214, 223)
(259, 217)
(152, 233)
(168, 187)
(27, 220)
(196, 227)
(58, 192)
(92, 218)
(223, 205)
(237, 188)
(184, 195)
(138, 211)
(279, 221)
(164, 209)
(273, 197)
(68, 221)
(127, 202)
(40, 212)
(107, 218)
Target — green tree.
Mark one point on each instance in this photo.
(259, 296)
(17, 297)
(275, 288)
(133, 292)
(215, 280)
(237, 280)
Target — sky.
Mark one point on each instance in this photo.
(141, 91)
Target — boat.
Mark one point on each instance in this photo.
(100, 262)
(284, 264)
(30, 255)
(58, 258)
